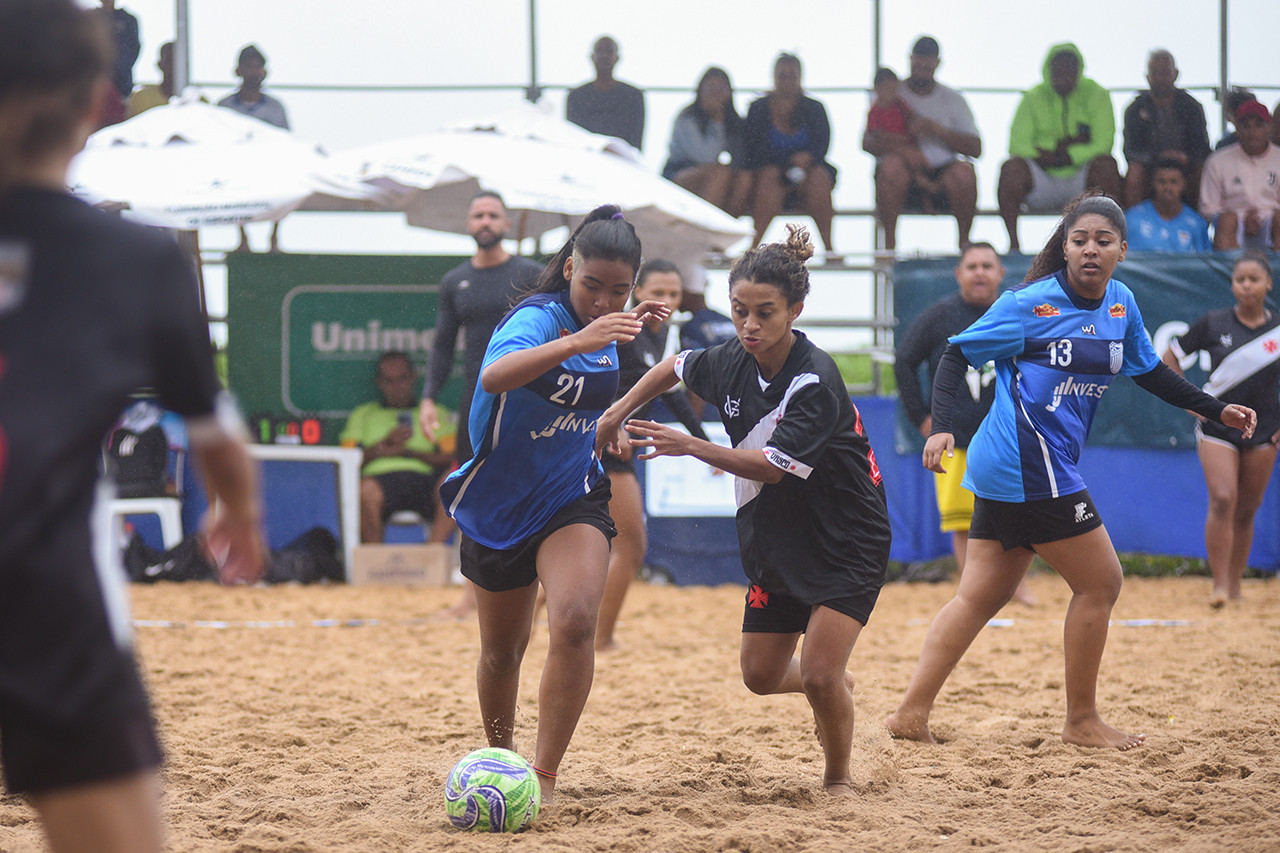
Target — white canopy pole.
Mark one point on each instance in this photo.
(181, 48)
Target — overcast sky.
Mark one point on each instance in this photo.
(666, 44)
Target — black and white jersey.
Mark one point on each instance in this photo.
(91, 310)
(1244, 366)
(822, 532)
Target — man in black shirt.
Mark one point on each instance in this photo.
(474, 297)
(607, 105)
(978, 273)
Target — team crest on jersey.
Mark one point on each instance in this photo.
(564, 333)
(1089, 329)
(1225, 340)
(1115, 349)
(732, 406)
(604, 361)
(1116, 310)
(1045, 310)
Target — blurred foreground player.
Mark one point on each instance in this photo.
(90, 310)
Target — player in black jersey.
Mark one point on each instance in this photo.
(91, 309)
(1243, 343)
(813, 526)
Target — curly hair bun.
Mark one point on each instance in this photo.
(798, 246)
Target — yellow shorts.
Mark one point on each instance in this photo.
(955, 502)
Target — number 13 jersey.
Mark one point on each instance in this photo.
(1055, 353)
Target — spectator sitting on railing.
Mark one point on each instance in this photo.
(943, 128)
(402, 468)
(1164, 122)
(1163, 223)
(1239, 192)
(1060, 142)
(705, 140)
(785, 143)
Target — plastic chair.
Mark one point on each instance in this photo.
(408, 518)
(167, 508)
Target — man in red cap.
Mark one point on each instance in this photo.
(1240, 190)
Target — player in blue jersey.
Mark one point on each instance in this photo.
(533, 502)
(813, 526)
(1057, 341)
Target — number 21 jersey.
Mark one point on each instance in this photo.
(534, 445)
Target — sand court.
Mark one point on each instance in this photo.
(326, 719)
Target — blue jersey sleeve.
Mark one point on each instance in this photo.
(526, 328)
(996, 335)
(1139, 353)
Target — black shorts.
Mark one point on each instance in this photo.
(73, 710)
(411, 490)
(1223, 434)
(1024, 525)
(778, 613)
(499, 570)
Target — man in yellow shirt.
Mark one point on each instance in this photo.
(155, 94)
(402, 467)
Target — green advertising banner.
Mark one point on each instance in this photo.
(305, 332)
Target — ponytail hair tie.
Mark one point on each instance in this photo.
(617, 215)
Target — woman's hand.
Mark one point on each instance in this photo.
(608, 431)
(935, 447)
(611, 328)
(1240, 417)
(651, 311)
(660, 440)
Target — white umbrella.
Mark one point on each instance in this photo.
(189, 164)
(549, 172)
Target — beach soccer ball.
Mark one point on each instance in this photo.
(492, 790)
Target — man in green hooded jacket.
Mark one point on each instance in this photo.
(1060, 142)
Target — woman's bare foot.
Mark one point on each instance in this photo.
(839, 788)
(1023, 594)
(909, 726)
(1218, 598)
(1094, 732)
(607, 645)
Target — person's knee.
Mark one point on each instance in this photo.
(1015, 178)
(1222, 502)
(371, 495)
(892, 174)
(759, 679)
(504, 658)
(573, 623)
(960, 180)
(823, 683)
(1104, 166)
